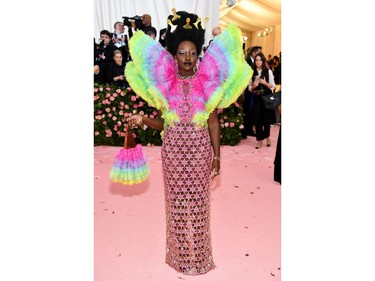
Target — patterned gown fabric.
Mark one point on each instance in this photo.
(186, 157)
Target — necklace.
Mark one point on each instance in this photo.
(187, 76)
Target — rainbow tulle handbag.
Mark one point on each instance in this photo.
(130, 166)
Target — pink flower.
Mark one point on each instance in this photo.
(108, 88)
(101, 89)
(96, 90)
(119, 123)
(225, 117)
(128, 89)
(219, 111)
(99, 111)
(133, 98)
(137, 97)
(155, 112)
(221, 120)
(122, 103)
(109, 115)
(118, 91)
(231, 124)
(104, 122)
(114, 118)
(141, 103)
(241, 126)
(96, 97)
(134, 111)
(115, 95)
(152, 116)
(122, 94)
(121, 112)
(126, 106)
(97, 133)
(135, 105)
(108, 133)
(98, 117)
(222, 125)
(236, 104)
(115, 127)
(123, 134)
(111, 98)
(104, 102)
(226, 124)
(119, 133)
(126, 114)
(141, 112)
(107, 95)
(107, 109)
(134, 135)
(114, 109)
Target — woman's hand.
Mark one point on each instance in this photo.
(120, 77)
(263, 81)
(256, 82)
(135, 120)
(215, 168)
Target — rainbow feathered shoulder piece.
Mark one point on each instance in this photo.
(223, 71)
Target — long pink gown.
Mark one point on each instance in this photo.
(187, 157)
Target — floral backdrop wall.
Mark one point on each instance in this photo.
(113, 105)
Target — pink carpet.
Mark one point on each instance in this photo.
(245, 219)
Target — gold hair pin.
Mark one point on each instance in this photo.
(204, 22)
(175, 16)
(197, 22)
(187, 25)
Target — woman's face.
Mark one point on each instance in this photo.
(258, 62)
(118, 59)
(187, 57)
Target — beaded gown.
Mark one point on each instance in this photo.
(186, 151)
(186, 157)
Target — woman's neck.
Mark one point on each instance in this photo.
(185, 74)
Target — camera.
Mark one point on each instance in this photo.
(137, 19)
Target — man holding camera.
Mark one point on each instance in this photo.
(144, 24)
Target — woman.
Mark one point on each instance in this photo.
(187, 96)
(115, 70)
(262, 83)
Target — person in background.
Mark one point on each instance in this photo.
(262, 83)
(187, 97)
(120, 40)
(106, 56)
(216, 31)
(248, 99)
(145, 26)
(115, 70)
(270, 61)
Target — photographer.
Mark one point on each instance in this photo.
(103, 54)
(141, 23)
